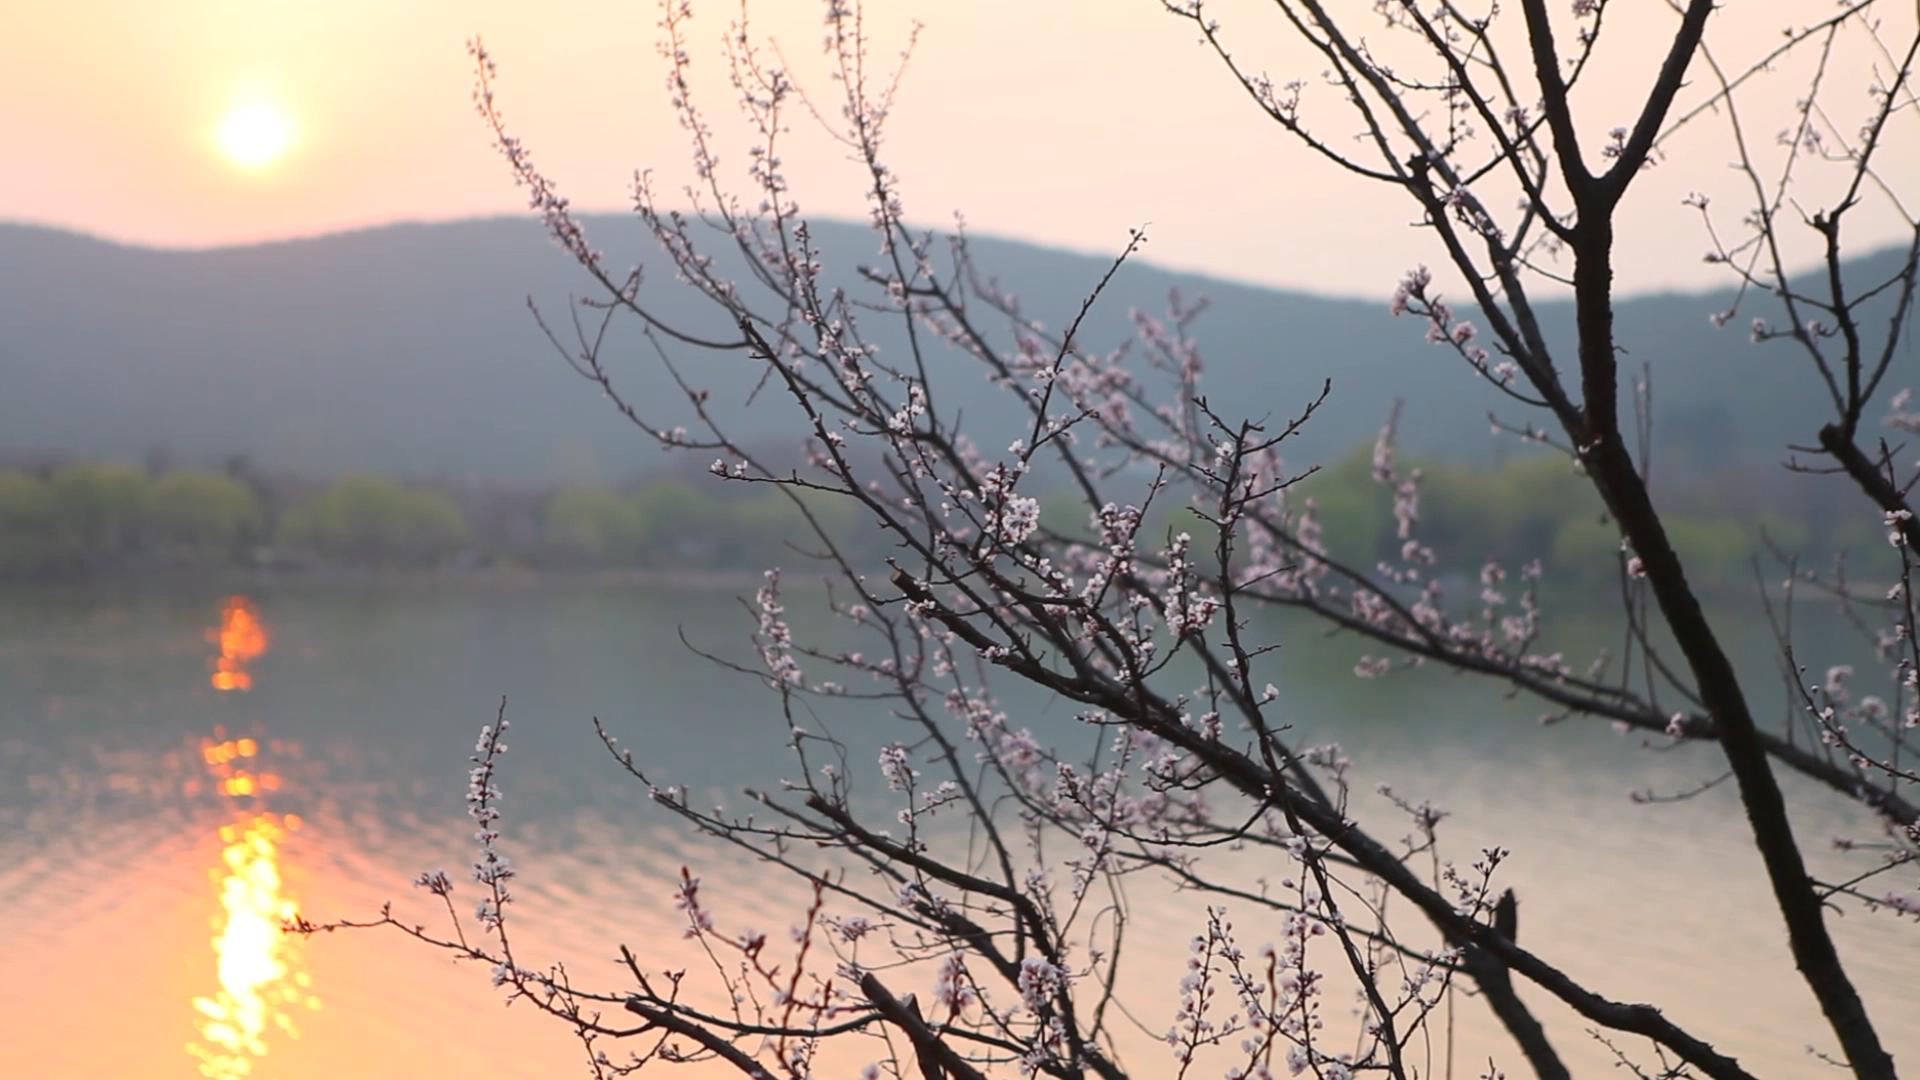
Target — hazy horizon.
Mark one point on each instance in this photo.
(593, 218)
(247, 122)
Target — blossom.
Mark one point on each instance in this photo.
(1018, 519)
(893, 766)
(1412, 286)
(1039, 980)
(1836, 688)
(952, 989)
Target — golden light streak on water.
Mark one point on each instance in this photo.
(260, 985)
(242, 638)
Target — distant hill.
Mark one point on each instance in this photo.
(409, 350)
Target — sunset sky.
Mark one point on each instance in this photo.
(208, 122)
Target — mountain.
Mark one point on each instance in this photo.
(409, 350)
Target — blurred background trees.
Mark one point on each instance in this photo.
(90, 517)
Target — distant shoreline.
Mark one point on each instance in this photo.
(503, 577)
(235, 578)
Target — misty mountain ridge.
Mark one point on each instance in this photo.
(409, 350)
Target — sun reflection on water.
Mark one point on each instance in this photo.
(260, 985)
(242, 638)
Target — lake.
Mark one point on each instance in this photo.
(154, 827)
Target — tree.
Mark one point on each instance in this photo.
(201, 512)
(26, 520)
(370, 519)
(96, 509)
(595, 524)
(1460, 115)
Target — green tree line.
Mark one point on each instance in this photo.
(91, 515)
(670, 523)
(85, 514)
(1535, 507)
(1529, 507)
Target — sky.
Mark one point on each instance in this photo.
(1065, 122)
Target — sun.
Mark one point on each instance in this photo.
(255, 136)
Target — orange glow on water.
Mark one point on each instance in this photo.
(259, 986)
(242, 638)
(231, 761)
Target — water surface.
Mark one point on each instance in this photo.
(158, 818)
